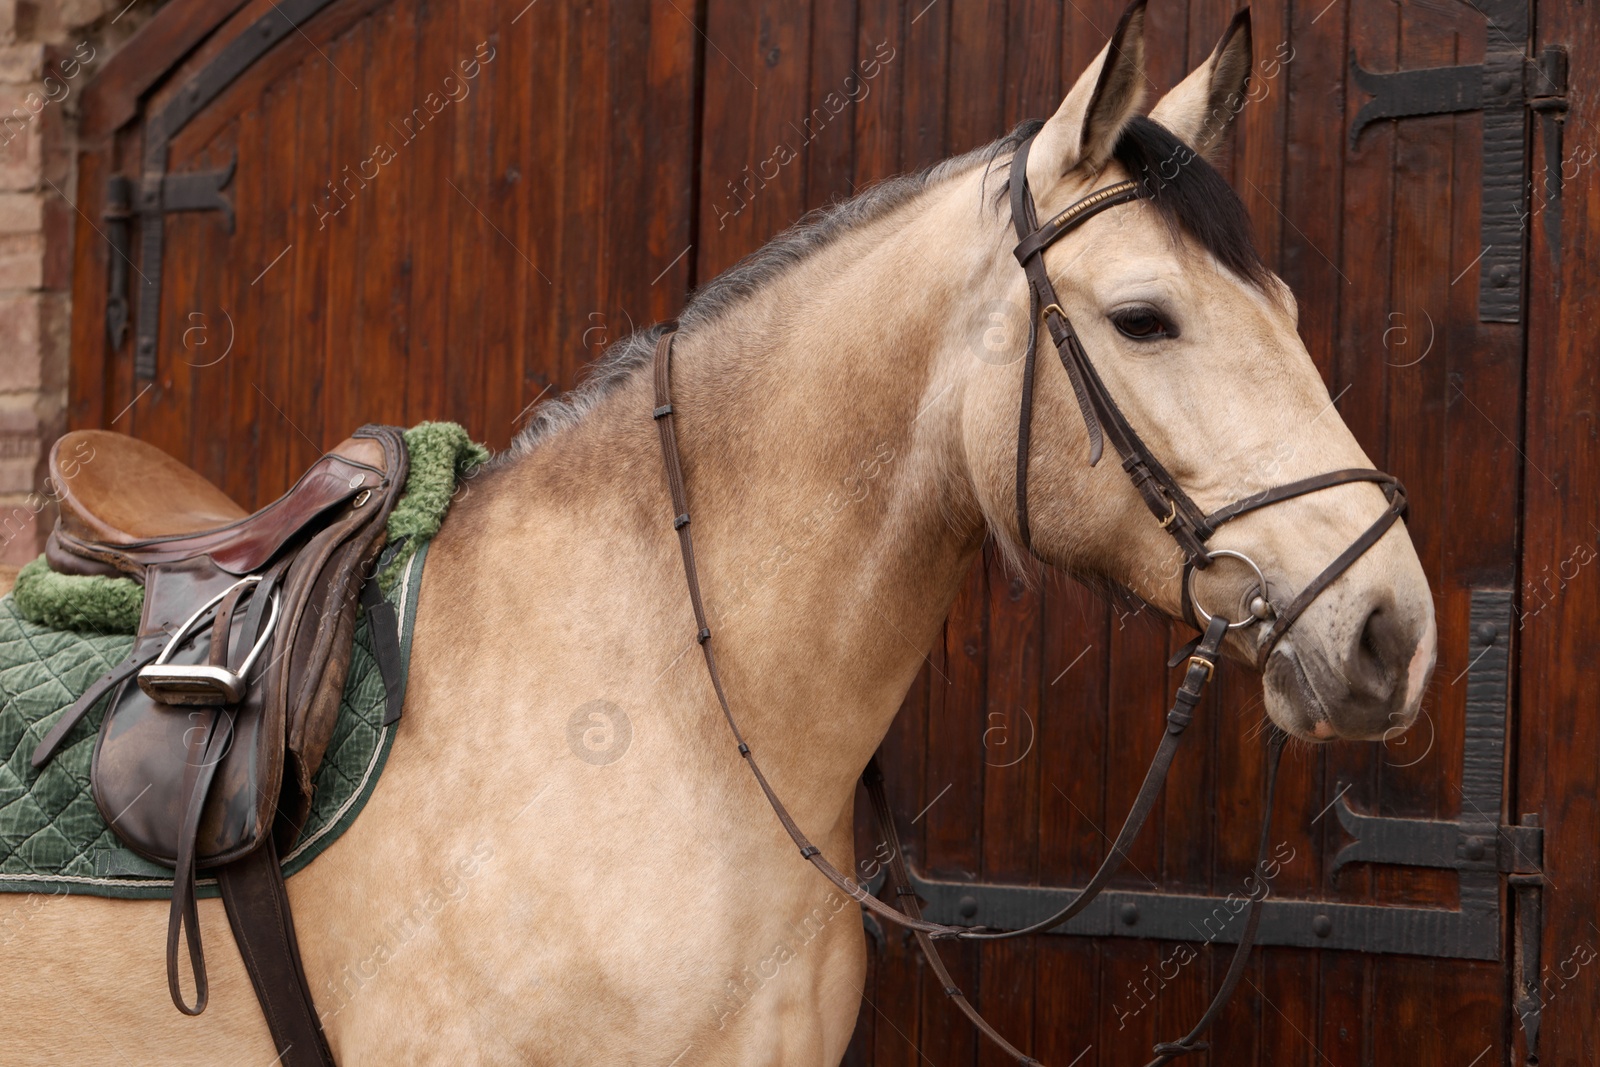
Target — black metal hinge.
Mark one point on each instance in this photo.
(1476, 846)
(1505, 87)
(159, 192)
(158, 195)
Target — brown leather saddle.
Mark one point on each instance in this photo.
(221, 713)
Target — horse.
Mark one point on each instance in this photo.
(565, 861)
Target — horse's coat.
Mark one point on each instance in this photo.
(849, 441)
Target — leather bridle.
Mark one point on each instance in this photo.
(1190, 527)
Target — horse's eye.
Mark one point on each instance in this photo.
(1142, 324)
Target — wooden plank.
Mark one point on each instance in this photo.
(588, 209)
(374, 368)
(1012, 773)
(295, 415)
(473, 229)
(1368, 318)
(271, 288)
(926, 59)
(540, 34)
(1435, 440)
(1033, 69)
(896, 990)
(90, 373)
(498, 92)
(1304, 72)
(828, 151)
(747, 192)
(1072, 723)
(1557, 756)
(669, 135)
(976, 111)
(220, 419)
(435, 230)
(1138, 704)
(953, 818)
(876, 114)
(347, 261)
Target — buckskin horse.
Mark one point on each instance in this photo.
(567, 861)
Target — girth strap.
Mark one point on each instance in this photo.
(257, 902)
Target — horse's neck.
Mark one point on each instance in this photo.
(831, 519)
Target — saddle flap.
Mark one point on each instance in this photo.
(144, 765)
(147, 752)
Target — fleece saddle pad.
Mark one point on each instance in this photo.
(53, 838)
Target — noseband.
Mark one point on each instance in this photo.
(1176, 513)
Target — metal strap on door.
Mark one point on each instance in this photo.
(156, 192)
(1505, 87)
(1477, 846)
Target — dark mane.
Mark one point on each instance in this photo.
(1191, 196)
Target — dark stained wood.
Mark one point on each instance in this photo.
(612, 155)
(272, 295)
(147, 57)
(1558, 773)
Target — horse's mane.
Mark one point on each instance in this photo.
(1191, 195)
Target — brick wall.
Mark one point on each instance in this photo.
(49, 49)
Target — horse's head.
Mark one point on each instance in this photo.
(1196, 342)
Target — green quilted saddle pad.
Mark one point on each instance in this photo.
(52, 836)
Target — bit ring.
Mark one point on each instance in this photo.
(1261, 586)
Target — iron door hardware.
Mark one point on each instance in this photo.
(160, 192)
(118, 211)
(1476, 846)
(158, 195)
(1505, 86)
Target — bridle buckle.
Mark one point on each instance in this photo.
(1209, 664)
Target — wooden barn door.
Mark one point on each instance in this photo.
(300, 215)
(303, 215)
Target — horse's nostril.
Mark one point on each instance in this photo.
(1381, 651)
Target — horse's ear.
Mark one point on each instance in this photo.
(1086, 127)
(1200, 108)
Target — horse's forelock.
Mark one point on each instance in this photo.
(1192, 197)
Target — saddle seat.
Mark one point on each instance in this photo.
(122, 490)
(126, 505)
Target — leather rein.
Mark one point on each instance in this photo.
(1190, 527)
